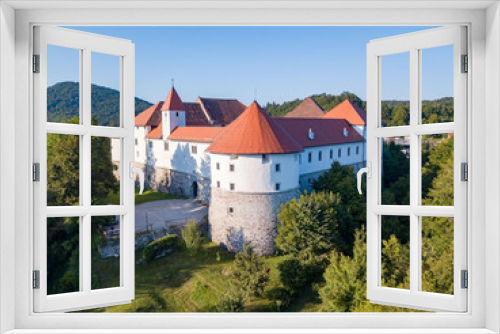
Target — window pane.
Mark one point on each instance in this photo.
(395, 89)
(395, 252)
(63, 256)
(105, 252)
(63, 84)
(105, 89)
(396, 171)
(437, 254)
(106, 158)
(438, 170)
(437, 84)
(63, 170)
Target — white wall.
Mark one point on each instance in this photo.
(179, 156)
(140, 150)
(316, 166)
(171, 120)
(251, 174)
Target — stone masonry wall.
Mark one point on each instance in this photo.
(174, 182)
(253, 219)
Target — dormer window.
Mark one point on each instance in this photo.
(311, 134)
(346, 133)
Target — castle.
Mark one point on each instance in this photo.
(240, 161)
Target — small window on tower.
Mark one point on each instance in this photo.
(340, 152)
(217, 166)
(348, 151)
(300, 159)
(165, 146)
(231, 168)
(231, 186)
(278, 186)
(176, 114)
(278, 167)
(331, 154)
(218, 184)
(194, 149)
(309, 157)
(357, 149)
(136, 142)
(150, 144)
(320, 155)
(230, 210)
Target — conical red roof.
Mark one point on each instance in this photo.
(348, 111)
(254, 132)
(173, 102)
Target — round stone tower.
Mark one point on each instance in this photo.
(254, 169)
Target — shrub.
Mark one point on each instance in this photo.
(248, 274)
(151, 303)
(293, 274)
(166, 243)
(280, 299)
(313, 225)
(192, 237)
(231, 302)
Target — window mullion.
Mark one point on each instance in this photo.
(415, 189)
(85, 167)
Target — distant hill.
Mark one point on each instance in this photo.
(394, 112)
(63, 103)
(325, 101)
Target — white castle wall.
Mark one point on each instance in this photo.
(254, 174)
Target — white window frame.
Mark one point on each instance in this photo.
(484, 103)
(86, 44)
(413, 44)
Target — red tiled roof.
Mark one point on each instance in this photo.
(173, 102)
(326, 131)
(349, 111)
(222, 111)
(307, 108)
(156, 133)
(195, 116)
(201, 134)
(150, 116)
(254, 132)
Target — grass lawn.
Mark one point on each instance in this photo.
(147, 196)
(182, 283)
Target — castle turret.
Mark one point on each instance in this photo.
(173, 113)
(254, 168)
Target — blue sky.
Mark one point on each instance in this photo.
(279, 63)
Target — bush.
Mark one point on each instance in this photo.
(280, 298)
(233, 301)
(248, 275)
(312, 225)
(192, 237)
(166, 243)
(293, 274)
(151, 303)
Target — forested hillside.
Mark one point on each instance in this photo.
(63, 103)
(325, 101)
(394, 112)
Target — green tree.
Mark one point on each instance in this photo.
(312, 225)
(345, 279)
(192, 237)
(248, 276)
(341, 180)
